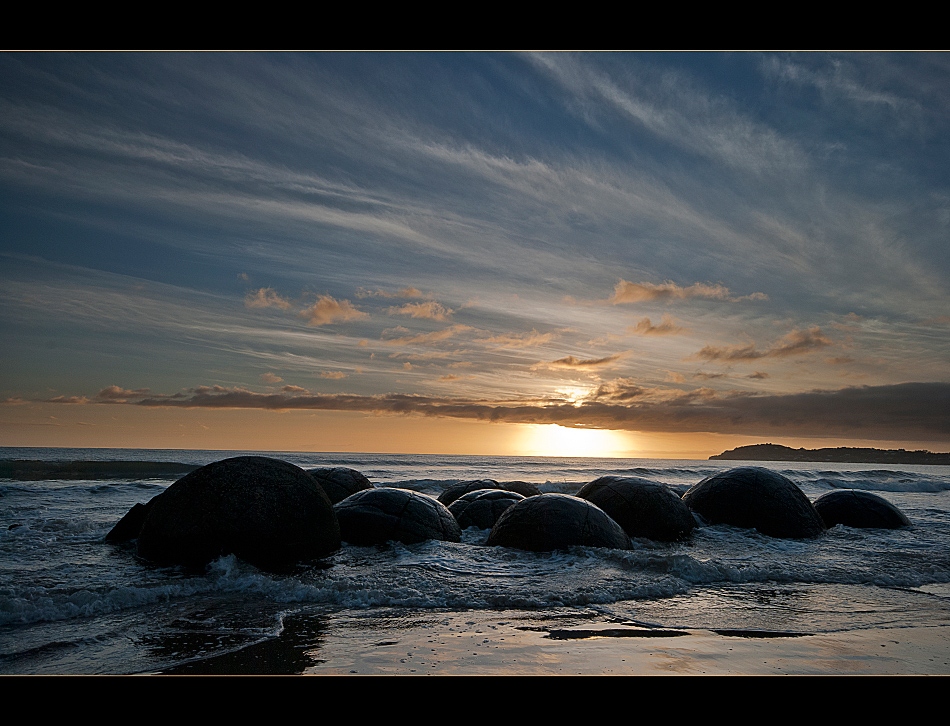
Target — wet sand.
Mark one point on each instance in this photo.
(381, 642)
(502, 643)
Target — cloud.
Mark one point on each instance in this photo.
(426, 338)
(120, 395)
(521, 340)
(329, 310)
(666, 327)
(631, 292)
(266, 298)
(294, 389)
(404, 292)
(430, 310)
(890, 412)
(334, 375)
(797, 342)
(573, 363)
(270, 378)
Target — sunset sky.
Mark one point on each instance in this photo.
(619, 254)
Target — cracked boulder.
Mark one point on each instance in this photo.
(644, 508)
(856, 508)
(755, 497)
(555, 522)
(381, 514)
(339, 482)
(266, 511)
(482, 507)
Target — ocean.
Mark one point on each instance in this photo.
(72, 604)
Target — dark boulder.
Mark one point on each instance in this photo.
(856, 508)
(483, 507)
(340, 482)
(455, 491)
(268, 512)
(555, 522)
(381, 514)
(755, 497)
(128, 528)
(644, 508)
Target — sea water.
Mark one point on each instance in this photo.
(71, 603)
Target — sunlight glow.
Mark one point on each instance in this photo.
(555, 440)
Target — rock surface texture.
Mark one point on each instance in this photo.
(758, 498)
(268, 512)
(644, 508)
(482, 507)
(381, 514)
(555, 522)
(857, 508)
(339, 482)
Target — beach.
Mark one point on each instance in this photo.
(727, 601)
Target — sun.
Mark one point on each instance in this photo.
(555, 440)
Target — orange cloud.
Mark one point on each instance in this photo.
(798, 342)
(426, 338)
(430, 310)
(266, 298)
(329, 310)
(629, 292)
(666, 327)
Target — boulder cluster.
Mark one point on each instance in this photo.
(276, 515)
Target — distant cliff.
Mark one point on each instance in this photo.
(841, 454)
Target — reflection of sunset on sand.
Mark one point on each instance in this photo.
(642, 254)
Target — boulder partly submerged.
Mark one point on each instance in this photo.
(555, 522)
(755, 497)
(453, 492)
(482, 507)
(644, 508)
(860, 509)
(381, 514)
(340, 482)
(266, 511)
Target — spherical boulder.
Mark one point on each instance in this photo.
(857, 508)
(339, 482)
(268, 512)
(644, 508)
(457, 490)
(482, 507)
(755, 497)
(381, 514)
(555, 522)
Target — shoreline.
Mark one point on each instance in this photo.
(458, 643)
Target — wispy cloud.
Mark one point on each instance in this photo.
(797, 342)
(583, 364)
(633, 292)
(429, 310)
(665, 327)
(428, 338)
(266, 298)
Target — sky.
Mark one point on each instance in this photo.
(640, 254)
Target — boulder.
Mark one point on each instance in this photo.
(381, 514)
(455, 491)
(755, 497)
(644, 508)
(268, 512)
(128, 528)
(857, 508)
(555, 522)
(340, 482)
(483, 507)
